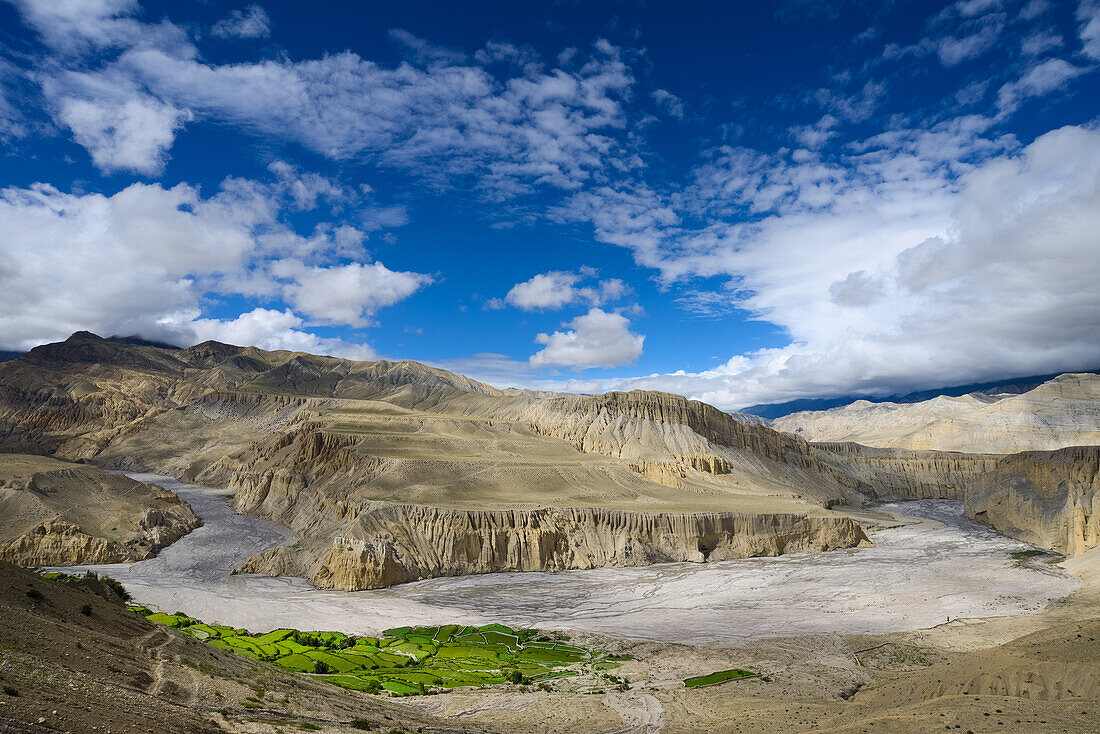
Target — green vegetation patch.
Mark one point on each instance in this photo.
(720, 676)
(405, 661)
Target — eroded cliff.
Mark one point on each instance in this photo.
(1047, 498)
(57, 514)
(389, 544)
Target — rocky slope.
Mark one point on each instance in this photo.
(1047, 498)
(76, 660)
(389, 544)
(54, 513)
(1064, 411)
(320, 444)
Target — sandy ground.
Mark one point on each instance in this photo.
(931, 566)
(822, 630)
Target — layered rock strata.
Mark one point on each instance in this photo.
(1047, 498)
(392, 544)
(898, 474)
(1061, 412)
(66, 515)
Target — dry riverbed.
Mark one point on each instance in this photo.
(931, 566)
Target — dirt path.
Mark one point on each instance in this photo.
(641, 712)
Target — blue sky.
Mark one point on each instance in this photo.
(745, 203)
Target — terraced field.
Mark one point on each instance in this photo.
(719, 677)
(405, 660)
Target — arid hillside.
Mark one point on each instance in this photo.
(58, 513)
(1061, 412)
(374, 464)
(75, 659)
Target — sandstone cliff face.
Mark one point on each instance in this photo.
(392, 544)
(1047, 498)
(57, 514)
(896, 474)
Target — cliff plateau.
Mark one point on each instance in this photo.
(54, 513)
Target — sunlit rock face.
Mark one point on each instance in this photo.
(392, 544)
(1064, 411)
(56, 513)
(1048, 498)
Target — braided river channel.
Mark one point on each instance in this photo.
(931, 566)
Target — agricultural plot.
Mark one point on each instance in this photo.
(719, 677)
(405, 660)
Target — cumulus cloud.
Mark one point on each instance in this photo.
(147, 258)
(596, 339)
(252, 22)
(940, 258)
(555, 289)
(346, 294)
(133, 135)
(262, 327)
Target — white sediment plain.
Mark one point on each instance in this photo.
(918, 575)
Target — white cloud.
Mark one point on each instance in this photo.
(131, 135)
(954, 50)
(261, 327)
(669, 103)
(852, 107)
(346, 294)
(252, 22)
(12, 122)
(555, 289)
(816, 135)
(1088, 15)
(424, 52)
(929, 258)
(74, 27)
(596, 339)
(145, 259)
(1039, 80)
(1040, 42)
(544, 291)
(1034, 9)
(450, 120)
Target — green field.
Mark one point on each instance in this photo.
(405, 660)
(719, 677)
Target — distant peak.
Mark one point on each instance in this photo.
(80, 336)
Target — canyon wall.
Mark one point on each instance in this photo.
(898, 474)
(1047, 498)
(390, 544)
(53, 513)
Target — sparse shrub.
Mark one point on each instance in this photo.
(86, 610)
(8, 690)
(373, 687)
(34, 594)
(116, 586)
